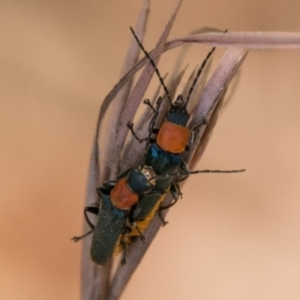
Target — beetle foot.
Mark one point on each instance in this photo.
(164, 223)
(78, 238)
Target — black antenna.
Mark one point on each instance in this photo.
(198, 75)
(196, 172)
(154, 66)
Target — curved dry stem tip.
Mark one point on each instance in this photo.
(248, 40)
(130, 60)
(212, 95)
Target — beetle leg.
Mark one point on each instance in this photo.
(164, 222)
(78, 238)
(124, 247)
(192, 133)
(176, 193)
(124, 243)
(102, 191)
(130, 126)
(185, 175)
(148, 103)
(142, 237)
(90, 209)
(107, 187)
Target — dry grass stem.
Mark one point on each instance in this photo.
(125, 100)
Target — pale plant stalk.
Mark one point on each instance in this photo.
(125, 99)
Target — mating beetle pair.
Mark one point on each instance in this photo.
(173, 138)
(129, 202)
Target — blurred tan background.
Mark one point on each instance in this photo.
(231, 236)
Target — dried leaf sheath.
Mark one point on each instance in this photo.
(211, 96)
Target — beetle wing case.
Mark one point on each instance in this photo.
(146, 205)
(111, 223)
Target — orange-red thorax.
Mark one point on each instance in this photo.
(121, 196)
(172, 137)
